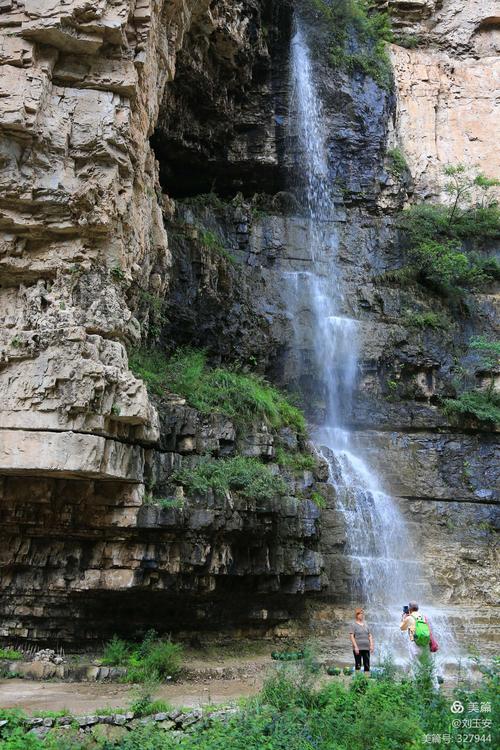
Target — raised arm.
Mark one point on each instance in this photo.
(405, 622)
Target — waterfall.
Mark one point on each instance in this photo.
(384, 560)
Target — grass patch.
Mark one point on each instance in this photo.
(11, 654)
(318, 499)
(244, 398)
(357, 36)
(154, 659)
(245, 476)
(212, 242)
(296, 461)
(426, 320)
(403, 277)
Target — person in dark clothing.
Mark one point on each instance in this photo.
(362, 641)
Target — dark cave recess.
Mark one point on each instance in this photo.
(222, 121)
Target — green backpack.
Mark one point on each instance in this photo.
(422, 634)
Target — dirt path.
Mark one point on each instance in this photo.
(210, 678)
(86, 697)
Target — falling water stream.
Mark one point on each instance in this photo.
(385, 570)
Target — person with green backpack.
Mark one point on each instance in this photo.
(420, 638)
(419, 632)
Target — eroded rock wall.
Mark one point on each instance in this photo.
(81, 560)
(85, 261)
(447, 87)
(82, 231)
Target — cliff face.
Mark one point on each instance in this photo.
(85, 256)
(447, 87)
(93, 241)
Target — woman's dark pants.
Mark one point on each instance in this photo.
(365, 655)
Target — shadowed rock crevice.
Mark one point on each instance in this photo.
(221, 118)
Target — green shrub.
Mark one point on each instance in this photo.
(11, 654)
(427, 221)
(117, 273)
(408, 41)
(488, 351)
(481, 405)
(290, 685)
(246, 476)
(426, 320)
(318, 499)
(147, 737)
(490, 267)
(403, 277)
(151, 660)
(149, 365)
(240, 396)
(144, 705)
(161, 659)
(204, 200)
(472, 213)
(116, 652)
(444, 266)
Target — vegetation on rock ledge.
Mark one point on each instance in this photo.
(480, 404)
(439, 237)
(357, 35)
(295, 460)
(427, 319)
(247, 476)
(211, 241)
(397, 162)
(243, 397)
